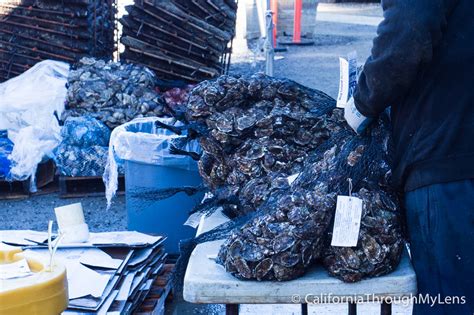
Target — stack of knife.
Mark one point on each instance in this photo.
(181, 40)
(66, 30)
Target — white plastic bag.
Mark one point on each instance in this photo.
(27, 106)
(141, 141)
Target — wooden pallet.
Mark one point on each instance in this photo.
(17, 190)
(160, 292)
(93, 186)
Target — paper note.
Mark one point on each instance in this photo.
(347, 221)
(193, 220)
(292, 178)
(18, 269)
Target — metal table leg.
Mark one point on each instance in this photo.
(386, 308)
(304, 309)
(352, 308)
(232, 309)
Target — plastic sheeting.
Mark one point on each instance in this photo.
(27, 106)
(142, 141)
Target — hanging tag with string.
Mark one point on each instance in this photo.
(347, 220)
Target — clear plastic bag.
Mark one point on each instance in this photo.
(142, 141)
(27, 106)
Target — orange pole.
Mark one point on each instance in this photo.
(297, 21)
(274, 8)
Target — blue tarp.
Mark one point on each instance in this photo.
(6, 148)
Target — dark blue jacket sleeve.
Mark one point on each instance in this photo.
(405, 41)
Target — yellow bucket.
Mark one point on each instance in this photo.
(44, 292)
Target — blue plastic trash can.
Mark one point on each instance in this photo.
(164, 217)
(149, 165)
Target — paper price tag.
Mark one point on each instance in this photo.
(347, 221)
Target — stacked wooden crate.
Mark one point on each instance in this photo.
(67, 30)
(181, 40)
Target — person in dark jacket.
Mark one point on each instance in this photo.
(422, 67)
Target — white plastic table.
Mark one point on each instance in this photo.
(207, 282)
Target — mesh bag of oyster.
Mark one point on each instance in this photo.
(256, 132)
(84, 147)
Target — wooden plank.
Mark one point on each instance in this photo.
(16, 190)
(161, 291)
(74, 187)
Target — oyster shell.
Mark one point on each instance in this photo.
(113, 93)
(260, 130)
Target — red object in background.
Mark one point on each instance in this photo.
(297, 22)
(274, 8)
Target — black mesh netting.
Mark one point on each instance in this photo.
(255, 132)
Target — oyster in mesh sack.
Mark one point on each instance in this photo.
(84, 147)
(379, 246)
(257, 131)
(290, 231)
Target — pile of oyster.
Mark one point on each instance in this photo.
(113, 93)
(260, 130)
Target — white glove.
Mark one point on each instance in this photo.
(354, 118)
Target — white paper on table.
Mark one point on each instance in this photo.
(82, 281)
(140, 256)
(17, 269)
(93, 257)
(22, 237)
(107, 303)
(125, 288)
(97, 258)
(137, 280)
(124, 237)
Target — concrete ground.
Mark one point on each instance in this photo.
(340, 29)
